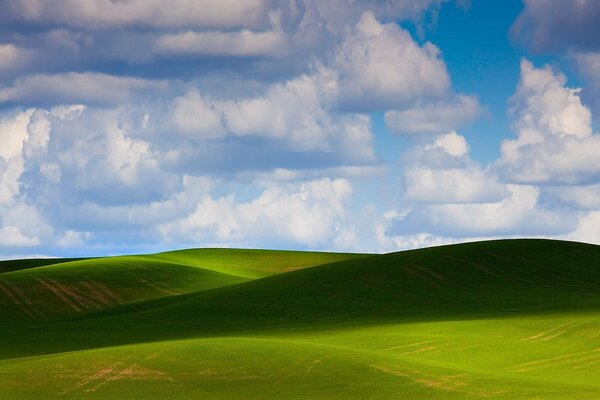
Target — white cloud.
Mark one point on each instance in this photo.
(436, 117)
(588, 228)
(13, 134)
(11, 236)
(72, 239)
(542, 103)
(461, 185)
(517, 214)
(310, 214)
(126, 156)
(70, 88)
(298, 111)
(554, 143)
(449, 197)
(452, 143)
(442, 172)
(381, 66)
(194, 115)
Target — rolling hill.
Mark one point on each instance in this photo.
(509, 319)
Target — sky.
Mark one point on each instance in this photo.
(137, 126)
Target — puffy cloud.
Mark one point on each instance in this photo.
(381, 66)
(448, 197)
(442, 172)
(461, 185)
(555, 142)
(69, 88)
(517, 214)
(440, 152)
(93, 154)
(452, 143)
(436, 117)
(11, 236)
(13, 134)
(543, 103)
(106, 14)
(298, 111)
(553, 25)
(310, 214)
(588, 228)
(192, 114)
(21, 224)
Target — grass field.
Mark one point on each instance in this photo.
(511, 319)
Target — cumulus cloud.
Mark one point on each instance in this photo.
(435, 117)
(555, 142)
(554, 25)
(99, 155)
(11, 236)
(517, 214)
(13, 133)
(310, 214)
(588, 228)
(441, 171)
(451, 143)
(381, 67)
(543, 185)
(297, 111)
(21, 224)
(464, 185)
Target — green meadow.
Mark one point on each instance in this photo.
(509, 319)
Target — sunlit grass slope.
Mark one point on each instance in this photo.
(515, 319)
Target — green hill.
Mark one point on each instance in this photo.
(512, 319)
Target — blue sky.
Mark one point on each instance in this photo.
(141, 126)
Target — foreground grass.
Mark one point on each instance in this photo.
(506, 320)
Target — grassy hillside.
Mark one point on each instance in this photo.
(512, 319)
